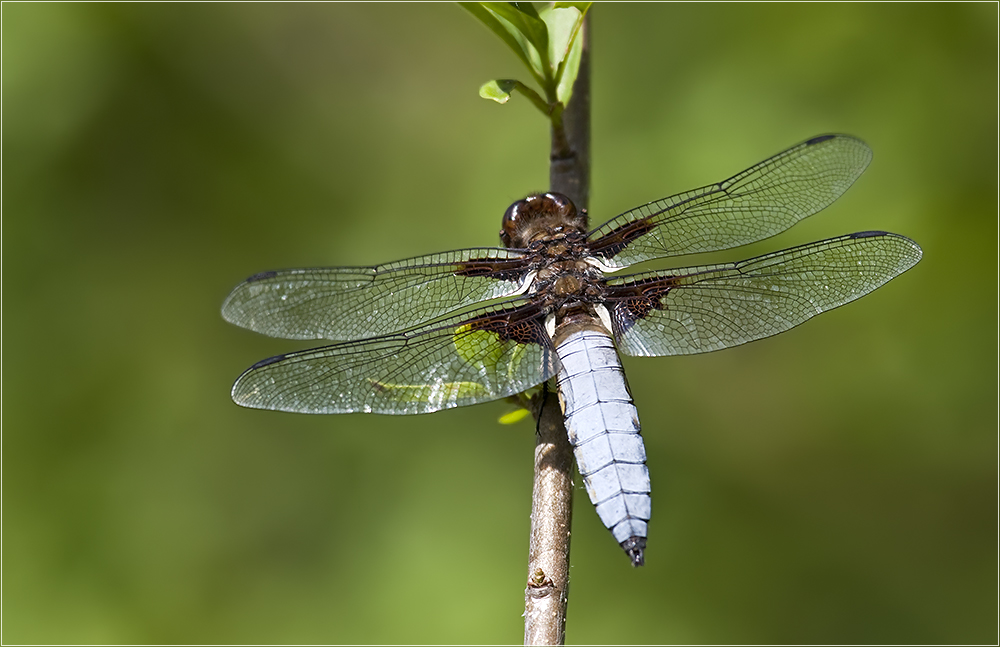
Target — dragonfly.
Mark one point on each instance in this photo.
(467, 326)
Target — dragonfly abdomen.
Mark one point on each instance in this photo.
(603, 427)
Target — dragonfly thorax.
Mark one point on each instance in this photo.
(553, 232)
(567, 285)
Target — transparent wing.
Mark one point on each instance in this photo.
(343, 303)
(701, 309)
(452, 363)
(762, 201)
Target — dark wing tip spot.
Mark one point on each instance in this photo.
(265, 362)
(633, 547)
(869, 234)
(817, 140)
(260, 276)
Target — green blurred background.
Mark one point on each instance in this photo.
(835, 484)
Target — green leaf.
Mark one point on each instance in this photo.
(563, 25)
(498, 89)
(568, 70)
(534, 31)
(416, 393)
(582, 6)
(564, 21)
(513, 417)
(526, 7)
(505, 31)
(527, 22)
(546, 41)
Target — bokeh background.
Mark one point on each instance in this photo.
(836, 484)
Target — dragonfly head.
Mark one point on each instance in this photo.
(538, 216)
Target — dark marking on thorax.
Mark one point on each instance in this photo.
(564, 277)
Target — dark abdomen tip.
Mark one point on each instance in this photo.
(634, 547)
